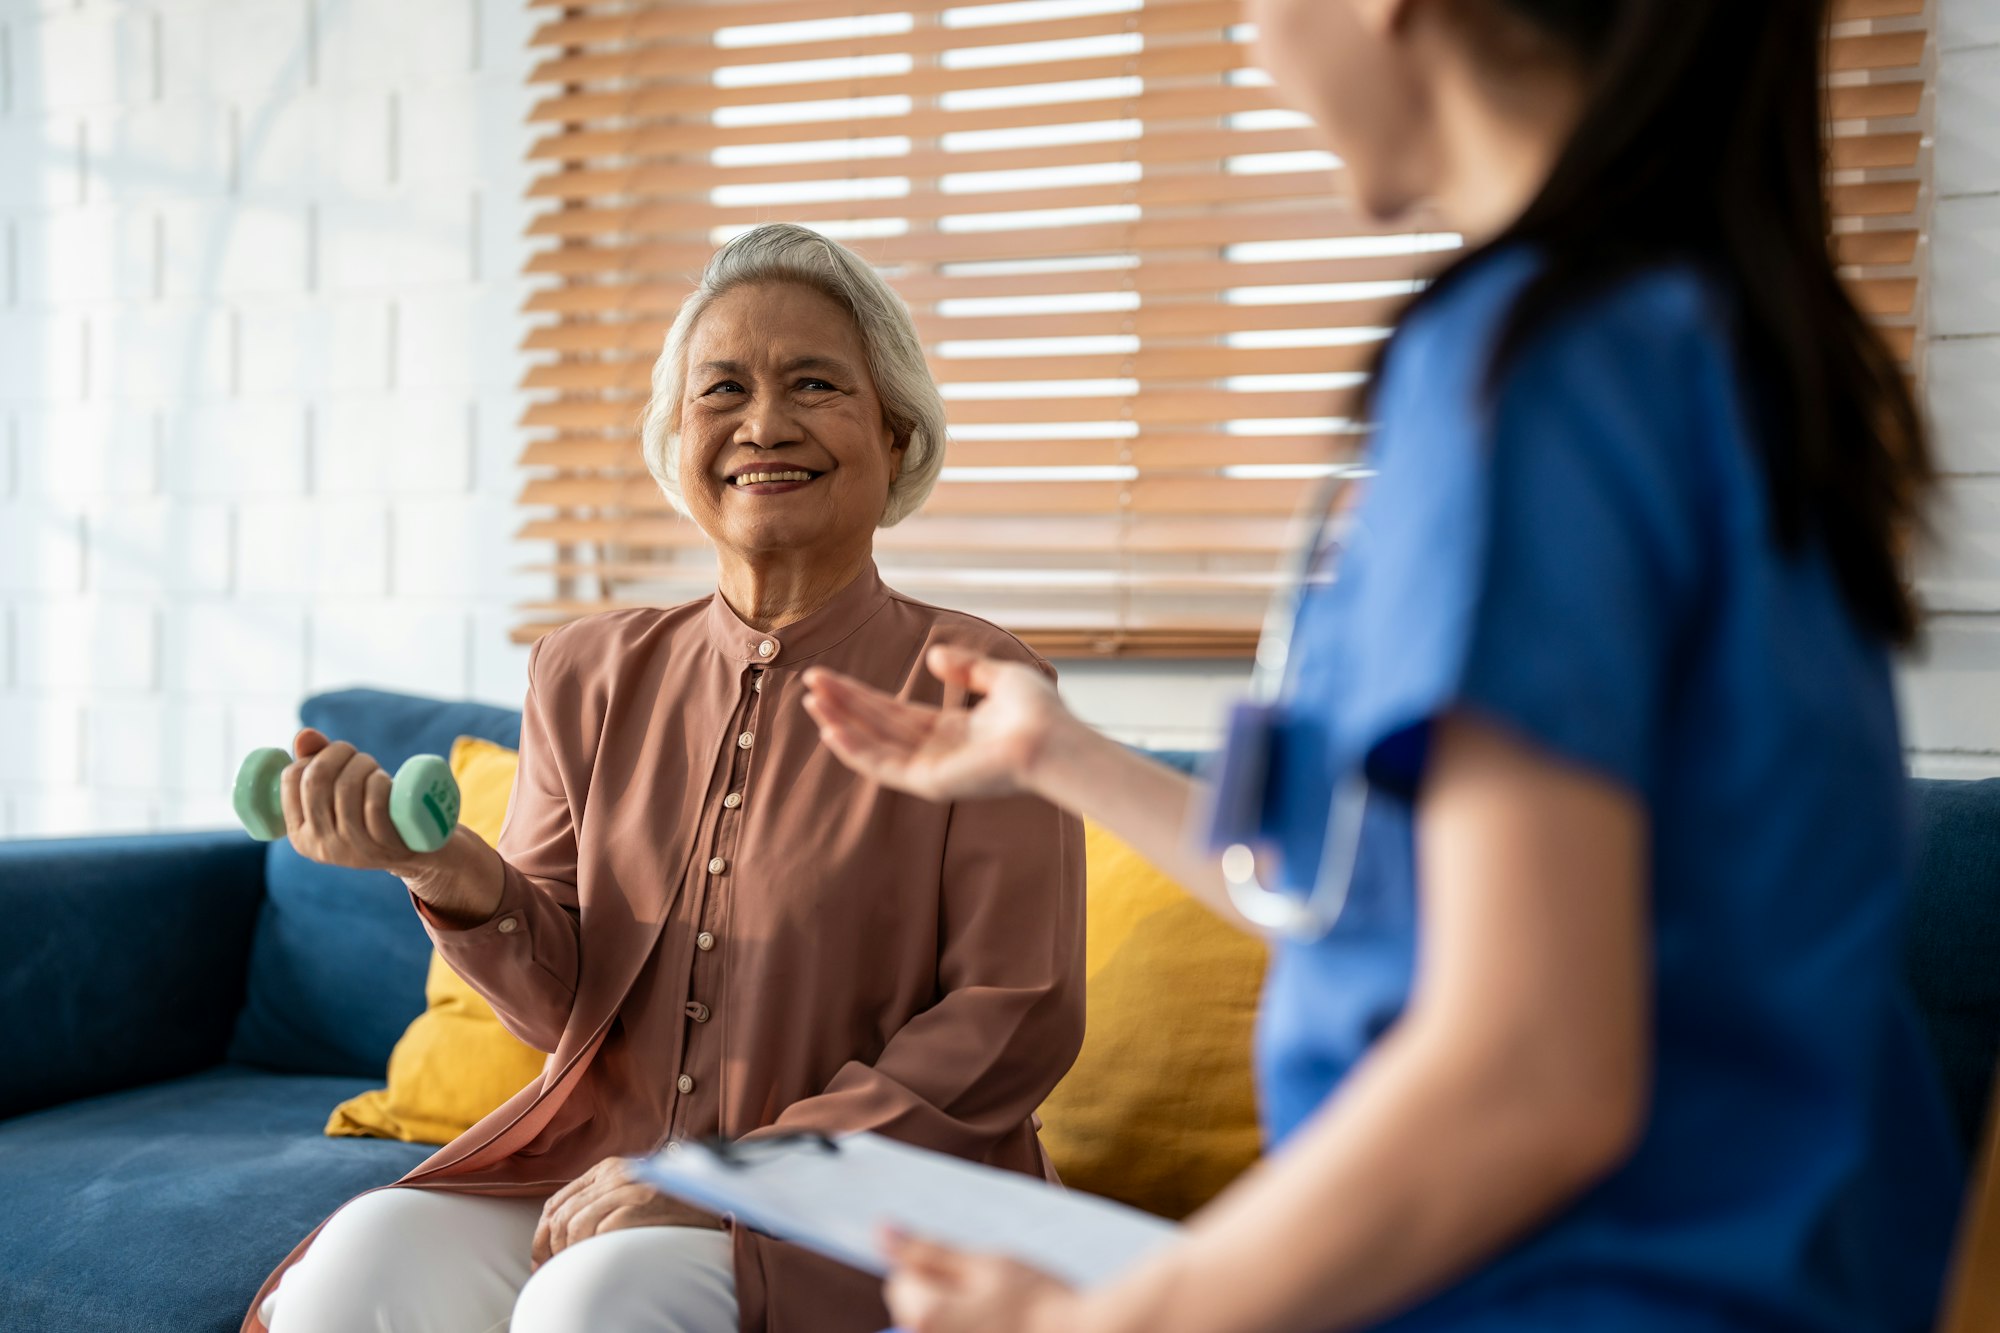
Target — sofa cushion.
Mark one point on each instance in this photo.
(1159, 1110)
(160, 1209)
(338, 962)
(1953, 947)
(123, 959)
(392, 727)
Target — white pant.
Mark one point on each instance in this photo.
(423, 1261)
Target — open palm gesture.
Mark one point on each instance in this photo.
(944, 754)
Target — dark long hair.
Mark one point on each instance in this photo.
(1702, 141)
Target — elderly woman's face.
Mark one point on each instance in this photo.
(783, 443)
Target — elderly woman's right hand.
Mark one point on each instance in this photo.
(336, 802)
(991, 749)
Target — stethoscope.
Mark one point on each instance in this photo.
(1240, 785)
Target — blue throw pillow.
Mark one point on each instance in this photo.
(338, 961)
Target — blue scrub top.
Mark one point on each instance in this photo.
(1583, 555)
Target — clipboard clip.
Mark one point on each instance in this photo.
(741, 1153)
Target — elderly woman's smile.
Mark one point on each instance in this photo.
(760, 479)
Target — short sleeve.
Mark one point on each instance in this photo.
(1532, 555)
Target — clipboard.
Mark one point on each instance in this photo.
(834, 1195)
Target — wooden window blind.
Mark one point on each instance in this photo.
(1135, 276)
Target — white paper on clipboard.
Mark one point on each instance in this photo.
(835, 1196)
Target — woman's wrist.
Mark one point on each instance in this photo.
(1075, 763)
(461, 882)
(1057, 765)
(1146, 1300)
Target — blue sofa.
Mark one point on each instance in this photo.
(183, 1011)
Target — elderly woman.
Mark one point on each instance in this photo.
(712, 925)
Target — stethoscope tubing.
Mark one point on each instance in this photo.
(1310, 918)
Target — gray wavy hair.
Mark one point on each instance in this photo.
(786, 252)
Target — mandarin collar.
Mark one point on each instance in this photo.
(849, 610)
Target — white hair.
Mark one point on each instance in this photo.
(785, 252)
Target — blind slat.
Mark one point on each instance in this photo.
(1160, 105)
(1847, 11)
(1875, 101)
(929, 204)
(1887, 246)
(1874, 199)
(694, 174)
(1185, 319)
(685, 99)
(1154, 277)
(1303, 221)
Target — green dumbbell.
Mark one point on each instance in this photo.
(423, 798)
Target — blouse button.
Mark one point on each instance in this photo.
(758, 684)
(716, 865)
(743, 741)
(731, 801)
(508, 925)
(766, 648)
(697, 1011)
(704, 941)
(684, 1083)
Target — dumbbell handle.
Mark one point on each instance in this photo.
(423, 798)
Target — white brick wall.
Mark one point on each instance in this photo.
(259, 285)
(259, 282)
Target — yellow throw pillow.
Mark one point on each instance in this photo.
(1159, 1110)
(454, 1063)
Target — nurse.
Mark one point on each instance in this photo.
(1607, 1032)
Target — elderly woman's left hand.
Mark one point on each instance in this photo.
(606, 1198)
(939, 1290)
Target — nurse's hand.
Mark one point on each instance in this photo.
(937, 1290)
(949, 753)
